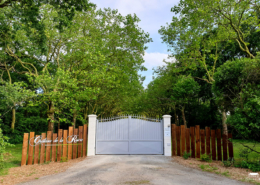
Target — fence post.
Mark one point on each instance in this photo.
(92, 121)
(167, 135)
(24, 151)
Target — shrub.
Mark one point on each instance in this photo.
(252, 165)
(63, 159)
(205, 157)
(229, 162)
(186, 155)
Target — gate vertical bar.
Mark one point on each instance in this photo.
(129, 121)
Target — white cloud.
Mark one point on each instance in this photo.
(153, 60)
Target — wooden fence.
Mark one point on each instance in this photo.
(55, 146)
(194, 140)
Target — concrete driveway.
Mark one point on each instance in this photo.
(133, 170)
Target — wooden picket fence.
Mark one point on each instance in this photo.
(57, 148)
(193, 140)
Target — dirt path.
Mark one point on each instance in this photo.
(132, 169)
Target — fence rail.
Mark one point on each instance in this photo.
(199, 141)
(66, 144)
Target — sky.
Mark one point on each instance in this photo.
(153, 15)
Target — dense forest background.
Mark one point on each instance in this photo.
(60, 62)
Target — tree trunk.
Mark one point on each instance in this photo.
(224, 122)
(13, 119)
(59, 124)
(183, 116)
(175, 115)
(74, 119)
(50, 115)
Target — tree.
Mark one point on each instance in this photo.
(237, 84)
(184, 90)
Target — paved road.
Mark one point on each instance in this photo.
(132, 170)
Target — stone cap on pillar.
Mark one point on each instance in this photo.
(167, 116)
(92, 115)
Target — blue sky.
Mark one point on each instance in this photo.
(153, 15)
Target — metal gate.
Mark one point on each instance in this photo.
(129, 135)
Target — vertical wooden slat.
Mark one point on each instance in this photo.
(187, 140)
(24, 150)
(219, 144)
(42, 149)
(197, 141)
(202, 136)
(178, 136)
(192, 131)
(75, 144)
(213, 144)
(225, 156)
(54, 145)
(36, 151)
(69, 143)
(208, 140)
(31, 146)
(48, 146)
(182, 139)
(173, 139)
(65, 144)
(230, 146)
(85, 139)
(59, 144)
(80, 142)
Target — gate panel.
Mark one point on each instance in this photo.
(112, 137)
(146, 137)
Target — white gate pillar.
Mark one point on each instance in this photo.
(92, 122)
(167, 135)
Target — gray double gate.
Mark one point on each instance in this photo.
(129, 135)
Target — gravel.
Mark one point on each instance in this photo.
(133, 170)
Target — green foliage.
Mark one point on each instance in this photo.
(80, 61)
(252, 165)
(230, 162)
(244, 152)
(184, 89)
(64, 159)
(3, 144)
(205, 157)
(186, 155)
(237, 87)
(202, 166)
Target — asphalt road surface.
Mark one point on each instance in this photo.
(132, 170)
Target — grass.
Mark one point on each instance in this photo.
(208, 168)
(12, 158)
(238, 146)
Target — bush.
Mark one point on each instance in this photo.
(64, 159)
(186, 155)
(205, 157)
(229, 162)
(252, 165)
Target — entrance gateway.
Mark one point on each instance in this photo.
(129, 135)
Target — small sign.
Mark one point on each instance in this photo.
(167, 129)
(167, 133)
(168, 144)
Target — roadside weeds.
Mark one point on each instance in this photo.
(217, 168)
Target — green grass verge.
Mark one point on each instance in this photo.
(12, 158)
(238, 146)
